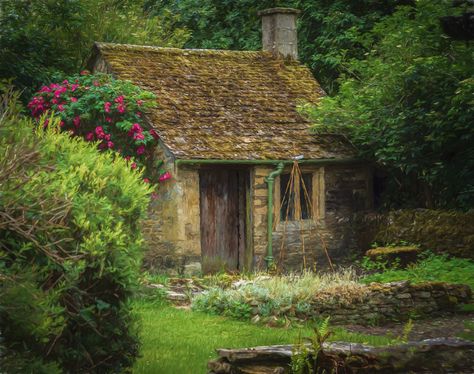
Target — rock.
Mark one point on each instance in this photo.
(403, 296)
(192, 269)
(176, 296)
(444, 355)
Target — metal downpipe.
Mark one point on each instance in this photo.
(270, 180)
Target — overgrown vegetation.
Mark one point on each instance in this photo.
(105, 110)
(70, 248)
(43, 37)
(438, 268)
(408, 105)
(279, 296)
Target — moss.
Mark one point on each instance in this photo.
(441, 231)
(384, 251)
(400, 255)
(225, 104)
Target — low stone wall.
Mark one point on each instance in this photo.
(396, 301)
(447, 355)
(441, 231)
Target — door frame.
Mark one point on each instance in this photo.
(245, 252)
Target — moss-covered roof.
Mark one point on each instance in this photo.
(224, 104)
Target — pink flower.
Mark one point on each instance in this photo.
(76, 121)
(139, 114)
(65, 81)
(74, 99)
(85, 72)
(165, 177)
(45, 89)
(61, 124)
(110, 144)
(139, 102)
(141, 150)
(133, 165)
(99, 131)
(146, 180)
(107, 137)
(153, 133)
(95, 83)
(61, 107)
(60, 91)
(90, 136)
(107, 106)
(138, 136)
(74, 87)
(121, 108)
(136, 128)
(108, 119)
(119, 99)
(127, 158)
(55, 101)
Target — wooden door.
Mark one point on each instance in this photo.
(222, 200)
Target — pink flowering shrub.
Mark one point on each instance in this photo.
(108, 111)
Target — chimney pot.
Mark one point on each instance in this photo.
(279, 34)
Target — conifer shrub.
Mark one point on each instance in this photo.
(70, 249)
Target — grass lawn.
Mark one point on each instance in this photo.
(179, 341)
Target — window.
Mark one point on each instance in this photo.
(296, 197)
(300, 199)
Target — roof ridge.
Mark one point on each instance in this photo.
(196, 51)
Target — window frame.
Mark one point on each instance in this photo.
(317, 199)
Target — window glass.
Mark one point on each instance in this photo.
(289, 198)
(306, 193)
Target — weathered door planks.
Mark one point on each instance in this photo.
(223, 216)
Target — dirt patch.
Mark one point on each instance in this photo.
(450, 325)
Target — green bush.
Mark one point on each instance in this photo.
(437, 268)
(70, 251)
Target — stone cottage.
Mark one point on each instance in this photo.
(233, 139)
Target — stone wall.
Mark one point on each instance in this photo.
(396, 301)
(442, 231)
(345, 191)
(172, 228)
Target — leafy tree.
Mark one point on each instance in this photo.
(328, 30)
(409, 107)
(70, 249)
(41, 37)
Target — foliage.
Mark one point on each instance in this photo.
(39, 38)
(327, 29)
(409, 107)
(283, 296)
(439, 268)
(70, 247)
(106, 110)
(170, 334)
(301, 363)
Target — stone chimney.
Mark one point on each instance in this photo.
(279, 34)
